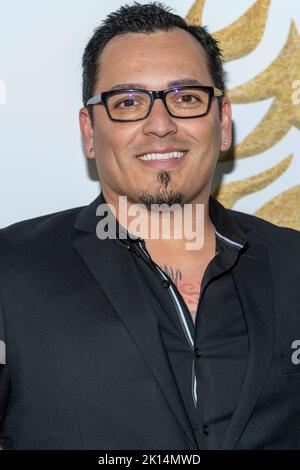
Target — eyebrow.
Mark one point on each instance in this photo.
(173, 83)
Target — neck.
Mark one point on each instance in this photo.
(181, 231)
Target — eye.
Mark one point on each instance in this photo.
(188, 98)
(128, 103)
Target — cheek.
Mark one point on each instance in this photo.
(112, 137)
(103, 138)
(210, 138)
(214, 143)
(207, 144)
(113, 150)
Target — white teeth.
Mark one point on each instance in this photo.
(161, 156)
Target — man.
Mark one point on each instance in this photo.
(133, 342)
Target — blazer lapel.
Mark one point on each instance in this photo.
(252, 275)
(110, 265)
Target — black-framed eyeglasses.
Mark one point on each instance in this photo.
(135, 104)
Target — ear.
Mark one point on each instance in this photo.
(226, 125)
(86, 129)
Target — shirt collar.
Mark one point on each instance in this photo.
(226, 227)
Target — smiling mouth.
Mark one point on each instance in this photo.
(161, 156)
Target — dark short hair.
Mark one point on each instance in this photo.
(147, 18)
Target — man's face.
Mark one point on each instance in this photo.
(152, 61)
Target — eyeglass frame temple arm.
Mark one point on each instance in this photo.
(217, 92)
(97, 99)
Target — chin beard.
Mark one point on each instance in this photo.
(167, 197)
(162, 195)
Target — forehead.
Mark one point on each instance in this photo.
(153, 58)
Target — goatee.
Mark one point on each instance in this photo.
(162, 195)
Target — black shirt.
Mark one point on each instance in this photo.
(208, 359)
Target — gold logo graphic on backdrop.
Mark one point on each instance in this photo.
(236, 41)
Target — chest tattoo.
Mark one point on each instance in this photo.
(189, 290)
(175, 275)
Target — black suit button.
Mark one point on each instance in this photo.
(198, 352)
(205, 429)
(165, 283)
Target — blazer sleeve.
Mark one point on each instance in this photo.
(4, 378)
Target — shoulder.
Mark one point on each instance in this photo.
(267, 233)
(28, 230)
(36, 241)
(277, 248)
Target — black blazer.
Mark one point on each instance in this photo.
(85, 365)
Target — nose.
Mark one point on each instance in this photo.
(159, 121)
